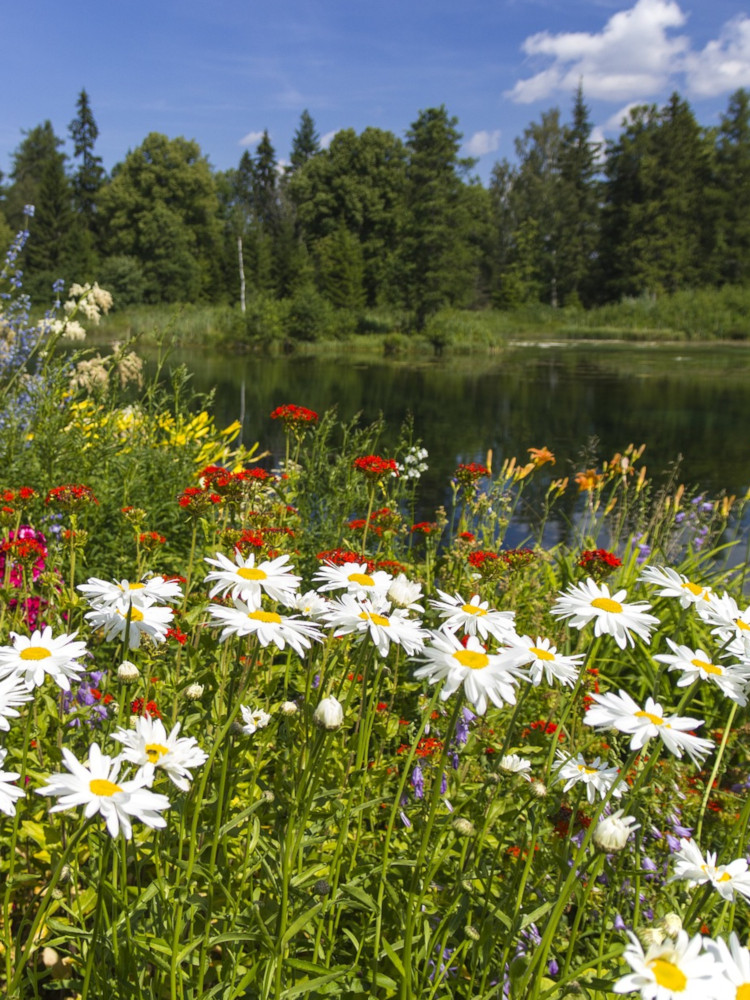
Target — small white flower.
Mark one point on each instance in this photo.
(255, 719)
(128, 672)
(696, 870)
(96, 787)
(590, 601)
(148, 743)
(728, 621)
(194, 691)
(134, 619)
(612, 832)
(329, 714)
(310, 604)
(349, 614)
(142, 593)
(695, 665)
(543, 660)
(596, 776)
(405, 593)
(516, 765)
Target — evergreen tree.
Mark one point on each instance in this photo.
(439, 262)
(732, 203)
(264, 182)
(579, 205)
(38, 147)
(341, 269)
(52, 251)
(90, 174)
(306, 142)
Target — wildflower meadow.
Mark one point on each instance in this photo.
(266, 734)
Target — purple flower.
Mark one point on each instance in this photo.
(417, 782)
(619, 924)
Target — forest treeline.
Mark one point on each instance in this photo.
(375, 221)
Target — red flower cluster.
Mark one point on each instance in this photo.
(151, 539)
(196, 501)
(517, 558)
(599, 562)
(428, 746)
(424, 527)
(177, 635)
(468, 473)
(18, 498)
(74, 496)
(378, 521)
(139, 706)
(375, 467)
(391, 566)
(293, 416)
(339, 557)
(479, 558)
(23, 550)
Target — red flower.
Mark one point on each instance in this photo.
(177, 635)
(141, 707)
(74, 496)
(424, 527)
(339, 557)
(375, 467)
(294, 417)
(599, 562)
(480, 557)
(468, 474)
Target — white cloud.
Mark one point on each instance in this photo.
(325, 140)
(632, 57)
(724, 64)
(251, 138)
(483, 142)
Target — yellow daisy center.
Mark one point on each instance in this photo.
(709, 668)
(541, 654)
(251, 573)
(100, 786)
(471, 658)
(154, 751)
(375, 619)
(742, 626)
(135, 614)
(607, 604)
(136, 586)
(724, 877)
(692, 587)
(743, 991)
(34, 653)
(265, 616)
(656, 719)
(586, 770)
(362, 579)
(667, 974)
(473, 609)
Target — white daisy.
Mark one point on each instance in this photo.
(269, 626)
(354, 578)
(543, 660)
(309, 604)
(514, 764)
(691, 866)
(96, 787)
(151, 590)
(672, 970)
(32, 658)
(728, 621)
(349, 614)
(619, 711)
(148, 744)
(245, 581)
(674, 584)
(483, 675)
(735, 964)
(405, 593)
(137, 620)
(695, 665)
(13, 692)
(596, 776)
(255, 719)
(9, 792)
(591, 601)
(475, 617)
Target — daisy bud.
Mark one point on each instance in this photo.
(612, 832)
(289, 708)
(49, 957)
(128, 672)
(650, 936)
(471, 932)
(463, 827)
(671, 925)
(322, 887)
(329, 714)
(539, 789)
(403, 592)
(193, 692)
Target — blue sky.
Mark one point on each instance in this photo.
(220, 71)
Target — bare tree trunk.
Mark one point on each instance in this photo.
(242, 273)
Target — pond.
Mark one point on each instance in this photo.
(583, 401)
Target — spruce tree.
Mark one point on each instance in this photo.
(90, 174)
(733, 191)
(306, 142)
